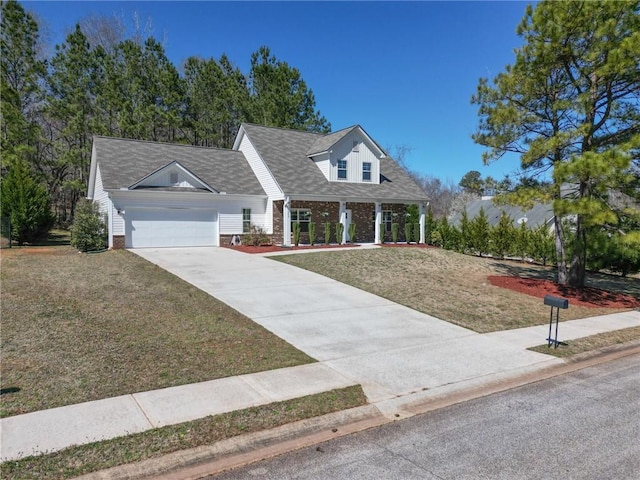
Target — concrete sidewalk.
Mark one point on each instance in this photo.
(394, 352)
(57, 428)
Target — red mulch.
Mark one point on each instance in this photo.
(411, 245)
(277, 248)
(585, 297)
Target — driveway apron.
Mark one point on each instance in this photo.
(391, 350)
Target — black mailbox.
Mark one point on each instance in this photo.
(556, 301)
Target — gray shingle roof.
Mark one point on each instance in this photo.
(124, 162)
(325, 142)
(285, 153)
(539, 214)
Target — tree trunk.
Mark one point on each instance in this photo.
(577, 269)
(560, 253)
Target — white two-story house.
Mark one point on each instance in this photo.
(158, 194)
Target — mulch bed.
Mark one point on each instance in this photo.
(278, 248)
(410, 245)
(586, 297)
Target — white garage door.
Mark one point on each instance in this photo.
(171, 227)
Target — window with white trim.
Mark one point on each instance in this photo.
(246, 220)
(342, 169)
(301, 216)
(366, 171)
(387, 219)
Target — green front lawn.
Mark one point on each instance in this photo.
(79, 327)
(452, 286)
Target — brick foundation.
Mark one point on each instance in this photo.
(118, 242)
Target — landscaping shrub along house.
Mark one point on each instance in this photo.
(167, 195)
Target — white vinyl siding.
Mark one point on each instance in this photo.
(99, 195)
(324, 164)
(355, 158)
(172, 176)
(268, 183)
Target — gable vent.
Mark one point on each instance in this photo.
(173, 178)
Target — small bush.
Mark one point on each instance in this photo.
(89, 229)
(256, 237)
(339, 232)
(436, 238)
(327, 233)
(395, 228)
(296, 234)
(382, 233)
(312, 233)
(416, 233)
(352, 232)
(407, 232)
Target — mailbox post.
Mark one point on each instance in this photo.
(557, 303)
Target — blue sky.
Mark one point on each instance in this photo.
(404, 71)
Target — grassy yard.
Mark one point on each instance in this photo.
(452, 286)
(78, 327)
(75, 461)
(593, 342)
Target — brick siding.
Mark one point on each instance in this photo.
(118, 242)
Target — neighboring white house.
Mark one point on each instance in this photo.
(161, 195)
(539, 214)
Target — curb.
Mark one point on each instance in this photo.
(245, 449)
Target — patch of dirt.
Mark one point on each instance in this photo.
(277, 248)
(586, 297)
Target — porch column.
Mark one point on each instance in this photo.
(286, 222)
(378, 221)
(423, 209)
(343, 221)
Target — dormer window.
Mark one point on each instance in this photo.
(366, 171)
(342, 169)
(173, 178)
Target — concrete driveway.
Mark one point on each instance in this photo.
(391, 350)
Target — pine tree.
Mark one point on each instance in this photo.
(523, 242)
(503, 236)
(280, 97)
(20, 84)
(27, 203)
(568, 105)
(72, 89)
(466, 243)
(480, 232)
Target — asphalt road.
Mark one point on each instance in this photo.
(583, 425)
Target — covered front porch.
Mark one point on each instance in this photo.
(373, 220)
